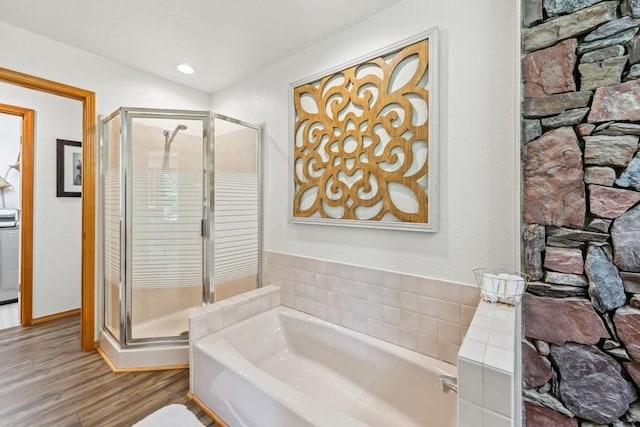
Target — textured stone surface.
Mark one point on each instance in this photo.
(599, 225)
(631, 175)
(532, 129)
(603, 73)
(602, 54)
(555, 104)
(560, 320)
(542, 289)
(566, 279)
(633, 414)
(618, 129)
(634, 50)
(541, 416)
(585, 129)
(631, 8)
(607, 202)
(532, 12)
(631, 282)
(577, 235)
(563, 243)
(536, 370)
(605, 285)
(554, 191)
(562, 7)
(546, 400)
(601, 175)
(549, 71)
(609, 150)
(568, 118)
(633, 73)
(543, 347)
(627, 321)
(564, 260)
(608, 323)
(612, 27)
(609, 344)
(533, 237)
(619, 353)
(568, 26)
(620, 38)
(591, 384)
(635, 301)
(633, 369)
(619, 102)
(625, 235)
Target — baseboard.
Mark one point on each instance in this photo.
(55, 316)
(117, 370)
(207, 410)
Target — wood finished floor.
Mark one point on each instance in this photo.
(46, 380)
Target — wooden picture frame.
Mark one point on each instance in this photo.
(364, 138)
(68, 168)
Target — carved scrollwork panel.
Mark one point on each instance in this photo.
(361, 140)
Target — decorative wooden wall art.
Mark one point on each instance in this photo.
(364, 140)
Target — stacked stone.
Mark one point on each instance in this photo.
(581, 209)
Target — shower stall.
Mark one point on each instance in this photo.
(180, 216)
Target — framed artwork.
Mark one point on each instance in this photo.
(69, 168)
(364, 140)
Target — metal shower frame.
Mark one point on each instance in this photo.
(127, 114)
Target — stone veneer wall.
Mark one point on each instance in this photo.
(581, 173)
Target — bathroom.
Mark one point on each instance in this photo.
(411, 288)
(444, 259)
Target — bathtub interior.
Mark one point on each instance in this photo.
(375, 384)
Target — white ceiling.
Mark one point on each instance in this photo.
(223, 40)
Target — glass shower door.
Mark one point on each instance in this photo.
(165, 223)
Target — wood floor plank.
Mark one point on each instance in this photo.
(45, 379)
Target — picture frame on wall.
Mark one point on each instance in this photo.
(364, 140)
(68, 168)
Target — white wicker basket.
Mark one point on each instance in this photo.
(500, 285)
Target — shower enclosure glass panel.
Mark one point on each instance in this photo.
(165, 242)
(110, 157)
(237, 207)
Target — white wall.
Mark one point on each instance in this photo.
(56, 263)
(477, 141)
(10, 136)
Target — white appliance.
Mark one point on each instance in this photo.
(9, 255)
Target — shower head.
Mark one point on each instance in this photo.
(169, 136)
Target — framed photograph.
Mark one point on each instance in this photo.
(364, 138)
(69, 168)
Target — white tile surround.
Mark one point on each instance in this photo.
(487, 369)
(229, 311)
(426, 315)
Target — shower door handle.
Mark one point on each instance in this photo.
(203, 227)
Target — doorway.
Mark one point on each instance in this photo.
(87, 98)
(21, 171)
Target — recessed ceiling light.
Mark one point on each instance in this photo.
(185, 69)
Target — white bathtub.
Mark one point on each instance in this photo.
(284, 368)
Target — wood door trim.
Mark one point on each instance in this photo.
(88, 187)
(26, 209)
